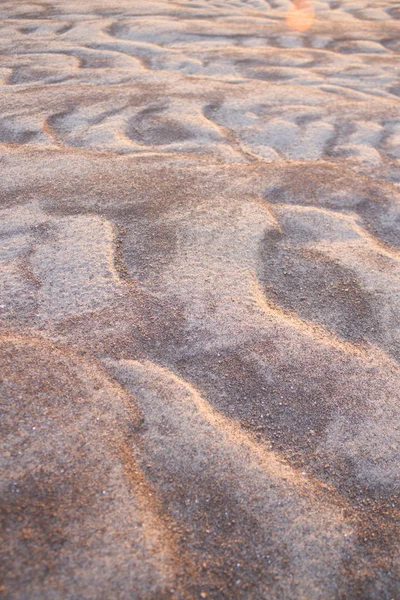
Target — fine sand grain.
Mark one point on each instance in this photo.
(199, 300)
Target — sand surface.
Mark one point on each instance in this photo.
(199, 300)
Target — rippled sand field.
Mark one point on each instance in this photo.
(199, 300)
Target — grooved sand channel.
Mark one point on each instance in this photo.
(199, 300)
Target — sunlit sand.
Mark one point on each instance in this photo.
(300, 15)
(199, 299)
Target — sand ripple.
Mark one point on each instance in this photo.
(199, 300)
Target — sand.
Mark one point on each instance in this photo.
(199, 300)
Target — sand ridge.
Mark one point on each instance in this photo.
(199, 300)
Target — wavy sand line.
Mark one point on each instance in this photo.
(76, 502)
(184, 437)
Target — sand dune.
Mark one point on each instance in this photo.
(199, 300)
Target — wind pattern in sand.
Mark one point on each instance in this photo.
(199, 299)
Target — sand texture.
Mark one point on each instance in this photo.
(199, 300)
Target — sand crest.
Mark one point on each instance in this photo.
(199, 299)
